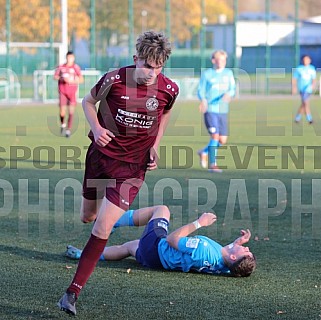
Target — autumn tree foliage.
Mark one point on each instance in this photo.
(185, 15)
(30, 20)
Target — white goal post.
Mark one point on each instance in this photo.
(10, 88)
(46, 87)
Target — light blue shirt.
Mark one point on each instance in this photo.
(212, 87)
(304, 76)
(197, 253)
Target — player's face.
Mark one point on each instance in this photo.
(306, 61)
(70, 59)
(219, 61)
(146, 71)
(239, 252)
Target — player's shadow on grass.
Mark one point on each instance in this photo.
(31, 254)
(24, 253)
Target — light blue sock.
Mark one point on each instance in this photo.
(205, 150)
(298, 117)
(212, 151)
(309, 117)
(126, 219)
(77, 254)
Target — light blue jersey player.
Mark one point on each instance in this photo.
(303, 81)
(215, 90)
(197, 253)
(178, 251)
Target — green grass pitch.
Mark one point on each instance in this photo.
(270, 183)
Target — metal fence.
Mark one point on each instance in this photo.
(260, 69)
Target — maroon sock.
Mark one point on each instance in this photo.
(70, 120)
(62, 119)
(88, 260)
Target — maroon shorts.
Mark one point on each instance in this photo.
(67, 96)
(118, 181)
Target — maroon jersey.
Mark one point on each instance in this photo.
(67, 72)
(132, 112)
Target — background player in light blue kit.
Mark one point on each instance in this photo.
(177, 251)
(303, 81)
(215, 90)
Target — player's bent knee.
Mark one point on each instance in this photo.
(223, 140)
(87, 218)
(164, 211)
(88, 210)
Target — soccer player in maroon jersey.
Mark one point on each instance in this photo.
(68, 76)
(134, 110)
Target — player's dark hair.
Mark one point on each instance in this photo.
(243, 267)
(69, 53)
(305, 56)
(153, 46)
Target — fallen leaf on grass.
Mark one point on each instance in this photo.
(68, 267)
(256, 238)
(129, 270)
(280, 312)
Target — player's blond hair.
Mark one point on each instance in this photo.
(153, 46)
(243, 267)
(219, 53)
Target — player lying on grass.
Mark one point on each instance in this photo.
(177, 251)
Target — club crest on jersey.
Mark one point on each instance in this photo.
(152, 104)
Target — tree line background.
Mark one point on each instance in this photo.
(30, 19)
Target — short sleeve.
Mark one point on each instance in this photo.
(99, 88)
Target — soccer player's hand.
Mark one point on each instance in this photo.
(206, 219)
(153, 157)
(244, 238)
(203, 106)
(103, 136)
(226, 98)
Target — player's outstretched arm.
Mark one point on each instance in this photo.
(206, 219)
(244, 238)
